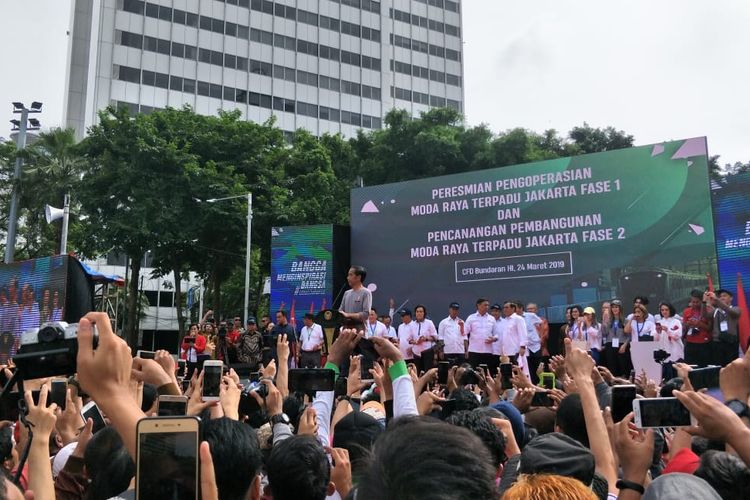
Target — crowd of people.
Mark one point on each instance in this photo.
(396, 434)
(491, 406)
(21, 310)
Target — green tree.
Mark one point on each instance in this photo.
(588, 139)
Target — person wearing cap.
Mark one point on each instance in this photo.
(498, 331)
(311, 336)
(250, 345)
(451, 333)
(593, 333)
(407, 335)
(478, 329)
(725, 326)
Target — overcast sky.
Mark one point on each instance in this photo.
(660, 70)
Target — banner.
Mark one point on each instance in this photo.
(301, 269)
(577, 230)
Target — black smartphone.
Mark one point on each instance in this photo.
(167, 458)
(443, 370)
(185, 384)
(506, 370)
(541, 398)
(660, 412)
(172, 406)
(181, 365)
(255, 377)
(704, 378)
(311, 379)
(91, 411)
(58, 392)
(366, 365)
(366, 348)
(9, 406)
(485, 368)
(622, 401)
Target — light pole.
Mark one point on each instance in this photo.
(249, 197)
(21, 126)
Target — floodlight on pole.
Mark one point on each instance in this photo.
(20, 125)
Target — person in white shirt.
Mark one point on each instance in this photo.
(498, 331)
(424, 352)
(669, 332)
(407, 336)
(593, 334)
(451, 333)
(391, 332)
(639, 327)
(643, 301)
(534, 347)
(373, 327)
(515, 337)
(479, 328)
(312, 340)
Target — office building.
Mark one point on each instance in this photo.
(323, 65)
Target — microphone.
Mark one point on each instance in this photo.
(334, 304)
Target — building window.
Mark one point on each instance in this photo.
(127, 74)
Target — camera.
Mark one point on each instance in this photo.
(660, 355)
(49, 350)
(222, 332)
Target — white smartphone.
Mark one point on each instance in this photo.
(145, 354)
(172, 406)
(91, 411)
(661, 412)
(166, 458)
(212, 372)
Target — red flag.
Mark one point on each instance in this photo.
(292, 319)
(710, 282)
(744, 321)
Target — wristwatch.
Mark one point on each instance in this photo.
(739, 408)
(281, 418)
(623, 484)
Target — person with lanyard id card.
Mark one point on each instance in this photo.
(725, 326)
(424, 353)
(616, 356)
(312, 343)
(640, 328)
(373, 327)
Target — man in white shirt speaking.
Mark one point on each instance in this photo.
(479, 328)
(451, 333)
(312, 340)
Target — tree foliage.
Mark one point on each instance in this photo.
(145, 183)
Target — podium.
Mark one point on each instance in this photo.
(329, 320)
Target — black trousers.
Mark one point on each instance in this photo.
(725, 352)
(480, 358)
(534, 358)
(699, 354)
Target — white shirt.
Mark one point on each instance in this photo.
(375, 330)
(312, 337)
(515, 335)
(671, 337)
(479, 328)
(594, 337)
(406, 332)
(392, 334)
(650, 317)
(499, 331)
(425, 329)
(638, 330)
(449, 331)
